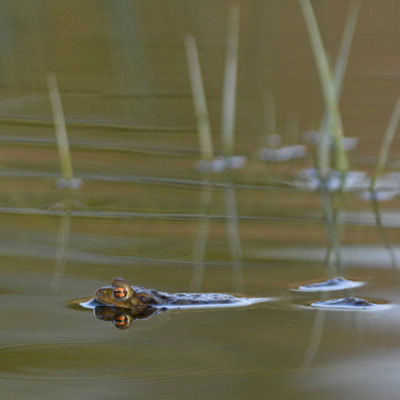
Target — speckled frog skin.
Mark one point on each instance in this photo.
(121, 294)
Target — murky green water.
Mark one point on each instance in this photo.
(144, 212)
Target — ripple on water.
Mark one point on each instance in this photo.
(32, 364)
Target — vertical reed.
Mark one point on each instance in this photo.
(230, 79)
(338, 77)
(61, 130)
(199, 99)
(345, 45)
(328, 89)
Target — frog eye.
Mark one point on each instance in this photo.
(120, 292)
(120, 320)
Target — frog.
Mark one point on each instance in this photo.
(123, 295)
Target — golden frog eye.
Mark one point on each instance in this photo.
(120, 320)
(119, 292)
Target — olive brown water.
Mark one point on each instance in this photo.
(145, 212)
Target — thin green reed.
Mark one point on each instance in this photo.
(338, 77)
(328, 90)
(230, 79)
(385, 146)
(61, 130)
(199, 99)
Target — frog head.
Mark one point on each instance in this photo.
(121, 294)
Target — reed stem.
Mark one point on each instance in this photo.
(199, 99)
(230, 79)
(338, 77)
(335, 127)
(345, 45)
(60, 127)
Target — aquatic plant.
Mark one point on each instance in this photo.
(229, 161)
(230, 79)
(199, 99)
(334, 121)
(68, 180)
(345, 45)
(325, 140)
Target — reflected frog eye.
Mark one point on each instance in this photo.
(120, 320)
(120, 292)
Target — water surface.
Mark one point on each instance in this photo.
(145, 212)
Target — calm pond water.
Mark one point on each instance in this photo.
(144, 211)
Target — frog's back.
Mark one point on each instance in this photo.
(121, 294)
(165, 298)
(201, 298)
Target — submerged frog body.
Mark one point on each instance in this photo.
(338, 283)
(121, 294)
(330, 282)
(346, 302)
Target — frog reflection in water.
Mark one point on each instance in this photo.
(122, 317)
